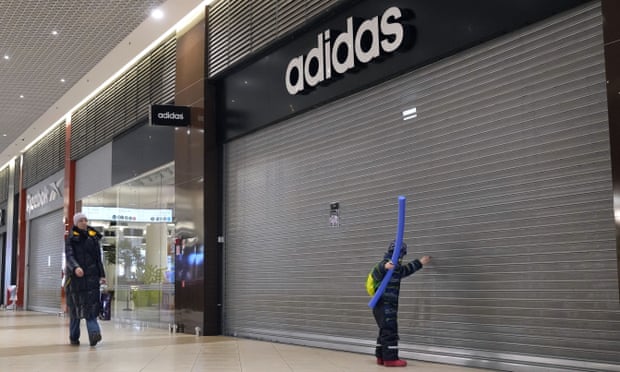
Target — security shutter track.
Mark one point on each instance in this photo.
(506, 170)
(46, 248)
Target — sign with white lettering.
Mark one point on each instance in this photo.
(349, 50)
(170, 116)
(127, 214)
(44, 194)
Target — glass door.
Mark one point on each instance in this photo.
(137, 221)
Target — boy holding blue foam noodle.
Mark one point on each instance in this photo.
(386, 309)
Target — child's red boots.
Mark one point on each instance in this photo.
(392, 363)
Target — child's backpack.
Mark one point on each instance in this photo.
(371, 284)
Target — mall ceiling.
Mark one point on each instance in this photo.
(46, 47)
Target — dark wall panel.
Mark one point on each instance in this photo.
(196, 301)
(140, 150)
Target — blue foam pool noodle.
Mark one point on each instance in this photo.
(398, 243)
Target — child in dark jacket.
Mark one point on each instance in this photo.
(386, 309)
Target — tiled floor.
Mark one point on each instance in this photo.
(33, 342)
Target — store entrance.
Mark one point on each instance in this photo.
(136, 219)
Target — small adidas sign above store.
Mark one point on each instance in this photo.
(170, 116)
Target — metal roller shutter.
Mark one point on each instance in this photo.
(507, 173)
(46, 248)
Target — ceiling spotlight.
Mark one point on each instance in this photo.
(6, 56)
(62, 80)
(157, 13)
(21, 96)
(54, 32)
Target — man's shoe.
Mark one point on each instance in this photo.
(380, 361)
(75, 342)
(96, 337)
(395, 363)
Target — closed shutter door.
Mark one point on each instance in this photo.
(506, 168)
(46, 249)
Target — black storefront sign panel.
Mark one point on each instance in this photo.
(170, 116)
(367, 43)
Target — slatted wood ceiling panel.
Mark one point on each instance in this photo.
(240, 28)
(126, 101)
(46, 157)
(4, 184)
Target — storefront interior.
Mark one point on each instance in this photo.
(136, 219)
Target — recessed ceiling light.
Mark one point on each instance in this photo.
(62, 80)
(21, 96)
(4, 135)
(157, 13)
(54, 32)
(6, 56)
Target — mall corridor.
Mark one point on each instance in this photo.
(35, 342)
